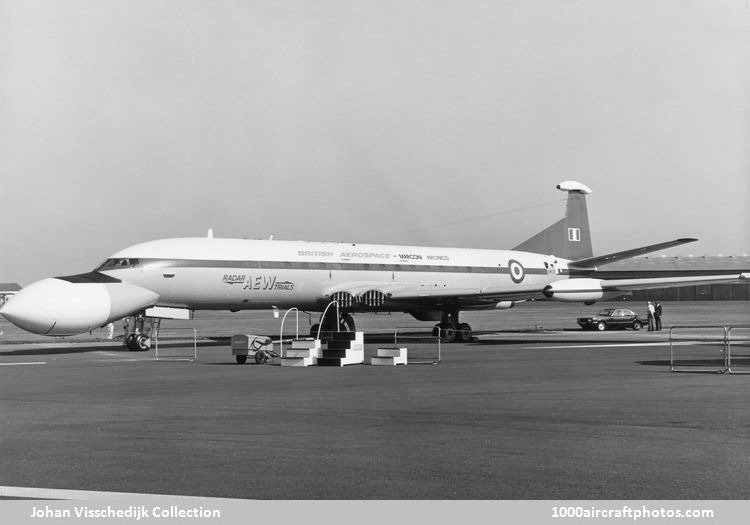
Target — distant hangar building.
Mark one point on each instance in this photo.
(688, 265)
(8, 289)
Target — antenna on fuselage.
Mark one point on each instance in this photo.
(271, 237)
(210, 234)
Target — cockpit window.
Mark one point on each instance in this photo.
(117, 264)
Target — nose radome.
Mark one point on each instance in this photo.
(37, 307)
(59, 307)
(20, 311)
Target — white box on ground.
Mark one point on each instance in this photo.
(392, 352)
(299, 361)
(389, 357)
(306, 343)
(300, 352)
(353, 357)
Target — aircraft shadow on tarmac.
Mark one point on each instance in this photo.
(687, 363)
(88, 348)
(62, 350)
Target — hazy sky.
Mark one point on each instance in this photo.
(368, 121)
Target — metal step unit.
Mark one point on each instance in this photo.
(344, 348)
(390, 356)
(304, 352)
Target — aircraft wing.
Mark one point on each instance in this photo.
(616, 285)
(593, 262)
(415, 292)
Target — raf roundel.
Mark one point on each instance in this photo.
(517, 272)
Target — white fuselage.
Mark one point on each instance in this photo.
(236, 274)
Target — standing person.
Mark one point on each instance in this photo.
(657, 315)
(651, 312)
(126, 330)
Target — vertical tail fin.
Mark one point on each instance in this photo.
(570, 237)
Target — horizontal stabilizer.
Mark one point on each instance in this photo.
(593, 262)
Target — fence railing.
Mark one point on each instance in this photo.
(709, 348)
(160, 356)
(738, 340)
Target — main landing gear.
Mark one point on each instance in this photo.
(451, 330)
(346, 324)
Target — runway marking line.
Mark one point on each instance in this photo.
(28, 363)
(119, 360)
(682, 343)
(65, 494)
(42, 493)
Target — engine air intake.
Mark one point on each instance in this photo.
(373, 298)
(345, 299)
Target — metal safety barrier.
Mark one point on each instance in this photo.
(423, 348)
(715, 348)
(698, 352)
(190, 358)
(738, 340)
(424, 360)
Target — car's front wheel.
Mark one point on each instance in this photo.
(601, 326)
(637, 325)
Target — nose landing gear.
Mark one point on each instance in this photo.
(138, 342)
(140, 339)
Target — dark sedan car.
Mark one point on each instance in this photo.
(611, 318)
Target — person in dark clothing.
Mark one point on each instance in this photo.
(657, 315)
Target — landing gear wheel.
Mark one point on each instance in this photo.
(128, 342)
(637, 325)
(464, 332)
(347, 323)
(448, 335)
(436, 330)
(261, 357)
(601, 326)
(314, 330)
(143, 343)
(241, 359)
